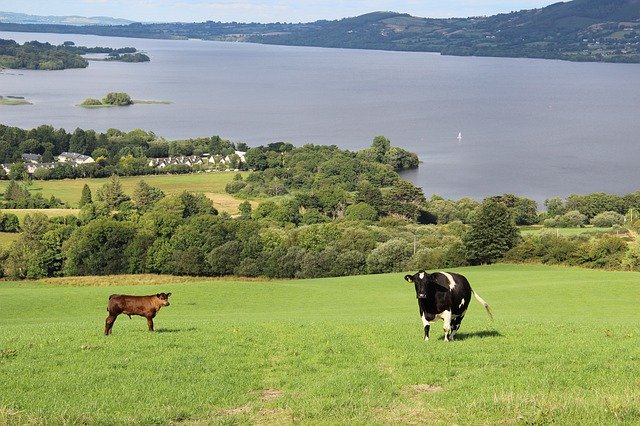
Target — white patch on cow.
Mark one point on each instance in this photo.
(446, 316)
(421, 275)
(461, 303)
(452, 283)
(425, 322)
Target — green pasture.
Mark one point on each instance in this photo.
(564, 348)
(568, 232)
(211, 184)
(7, 238)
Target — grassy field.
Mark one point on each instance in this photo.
(564, 348)
(211, 184)
(567, 232)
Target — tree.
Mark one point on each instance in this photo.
(117, 98)
(555, 206)
(370, 194)
(391, 256)
(145, 196)
(24, 258)
(361, 211)
(493, 232)
(9, 222)
(245, 209)
(112, 193)
(99, 248)
(18, 171)
(86, 196)
(524, 210)
(404, 199)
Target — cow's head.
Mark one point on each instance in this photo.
(420, 280)
(423, 281)
(164, 298)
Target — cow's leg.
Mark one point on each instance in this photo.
(108, 324)
(446, 316)
(455, 325)
(425, 324)
(150, 323)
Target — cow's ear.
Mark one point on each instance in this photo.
(157, 294)
(168, 294)
(408, 278)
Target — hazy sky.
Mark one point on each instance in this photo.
(263, 10)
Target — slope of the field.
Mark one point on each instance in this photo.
(564, 348)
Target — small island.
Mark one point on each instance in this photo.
(113, 99)
(13, 100)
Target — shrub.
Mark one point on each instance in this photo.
(91, 102)
(390, 256)
(607, 219)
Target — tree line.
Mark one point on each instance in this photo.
(184, 234)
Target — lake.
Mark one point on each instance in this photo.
(535, 128)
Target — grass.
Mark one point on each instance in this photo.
(134, 102)
(14, 102)
(567, 232)
(6, 238)
(143, 102)
(211, 184)
(563, 348)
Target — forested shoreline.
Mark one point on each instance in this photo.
(585, 30)
(35, 55)
(310, 211)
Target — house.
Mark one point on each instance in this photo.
(31, 167)
(74, 158)
(187, 160)
(31, 158)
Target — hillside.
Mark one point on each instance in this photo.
(579, 30)
(23, 18)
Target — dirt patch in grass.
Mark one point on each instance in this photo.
(270, 394)
(141, 279)
(423, 388)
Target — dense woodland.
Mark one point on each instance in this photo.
(579, 30)
(311, 211)
(35, 55)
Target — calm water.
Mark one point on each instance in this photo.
(535, 128)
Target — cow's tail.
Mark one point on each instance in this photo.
(485, 304)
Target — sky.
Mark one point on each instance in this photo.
(262, 10)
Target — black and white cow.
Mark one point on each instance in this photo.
(443, 295)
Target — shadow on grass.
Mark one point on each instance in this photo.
(175, 330)
(478, 334)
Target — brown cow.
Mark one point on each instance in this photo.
(145, 306)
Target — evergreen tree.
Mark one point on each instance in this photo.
(145, 196)
(493, 232)
(112, 193)
(86, 196)
(245, 209)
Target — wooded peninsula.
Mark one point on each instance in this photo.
(35, 55)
